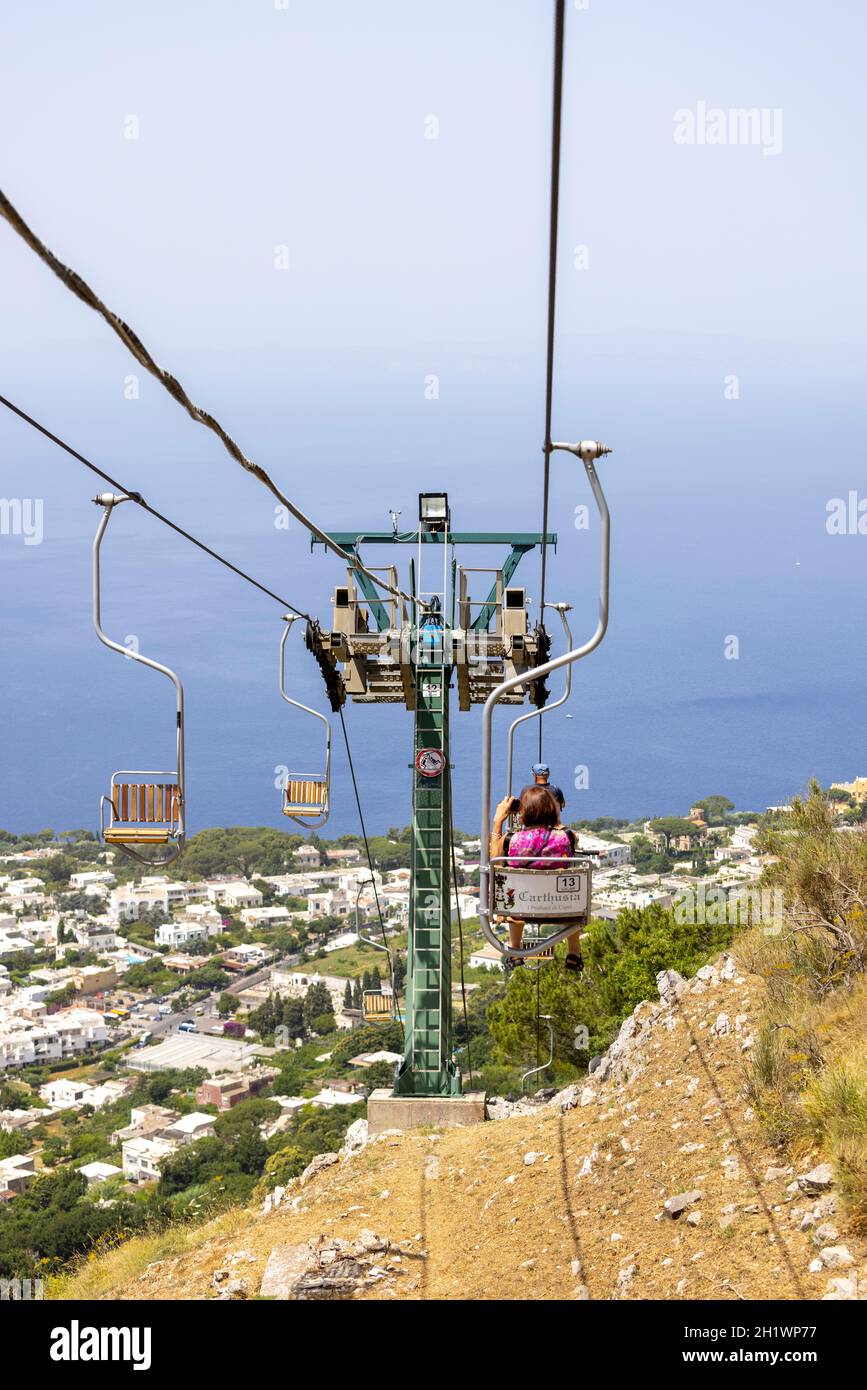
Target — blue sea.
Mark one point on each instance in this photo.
(719, 514)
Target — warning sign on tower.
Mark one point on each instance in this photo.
(430, 761)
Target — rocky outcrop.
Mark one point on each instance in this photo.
(330, 1268)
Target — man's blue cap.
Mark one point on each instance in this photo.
(539, 769)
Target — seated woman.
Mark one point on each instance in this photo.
(541, 843)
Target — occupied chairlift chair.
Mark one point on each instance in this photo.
(558, 896)
(143, 809)
(306, 796)
(533, 935)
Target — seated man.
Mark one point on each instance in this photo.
(541, 842)
(541, 774)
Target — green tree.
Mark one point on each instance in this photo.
(716, 809)
(318, 1009)
(286, 1163)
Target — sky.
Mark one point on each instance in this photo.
(255, 189)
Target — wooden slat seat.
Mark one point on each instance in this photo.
(304, 797)
(377, 1006)
(142, 813)
(138, 835)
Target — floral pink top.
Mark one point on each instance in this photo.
(540, 849)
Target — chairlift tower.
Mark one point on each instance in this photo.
(383, 650)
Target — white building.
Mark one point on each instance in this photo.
(308, 856)
(349, 881)
(64, 1093)
(142, 1158)
(339, 943)
(486, 958)
(95, 936)
(13, 943)
(129, 903)
(611, 854)
(97, 1172)
(191, 1127)
(265, 916)
(93, 877)
(297, 982)
(235, 894)
(16, 1172)
(181, 932)
(327, 1099)
(23, 887)
(41, 931)
(252, 953)
(24, 1042)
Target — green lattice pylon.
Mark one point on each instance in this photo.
(428, 1068)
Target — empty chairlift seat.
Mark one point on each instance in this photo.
(141, 813)
(378, 1006)
(142, 809)
(305, 798)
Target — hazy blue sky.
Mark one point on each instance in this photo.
(305, 127)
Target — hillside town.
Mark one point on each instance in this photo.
(169, 976)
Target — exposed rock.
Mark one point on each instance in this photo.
(588, 1095)
(826, 1206)
(567, 1099)
(841, 1290)
(286, 1264)
(235, 1289)
(322, 1269)
(499, 1108)
(694, 1218)
(355, 1139)
(370, 1242)
(671, 986)
(835, 1257)
(708, 974)
(674, 1206)
(316, 1165)
(721, 1025)
(825, 1234)
(818, 1180)
(773, 1174)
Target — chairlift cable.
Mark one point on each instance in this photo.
(79, 287)
(556, 122)
(139, 500)
(460, 925)
(370, 866)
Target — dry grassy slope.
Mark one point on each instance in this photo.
(493, 1226)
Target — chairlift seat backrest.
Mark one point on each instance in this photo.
(305, 796)
(378, 1006)
(557, 895)
(146, 813)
